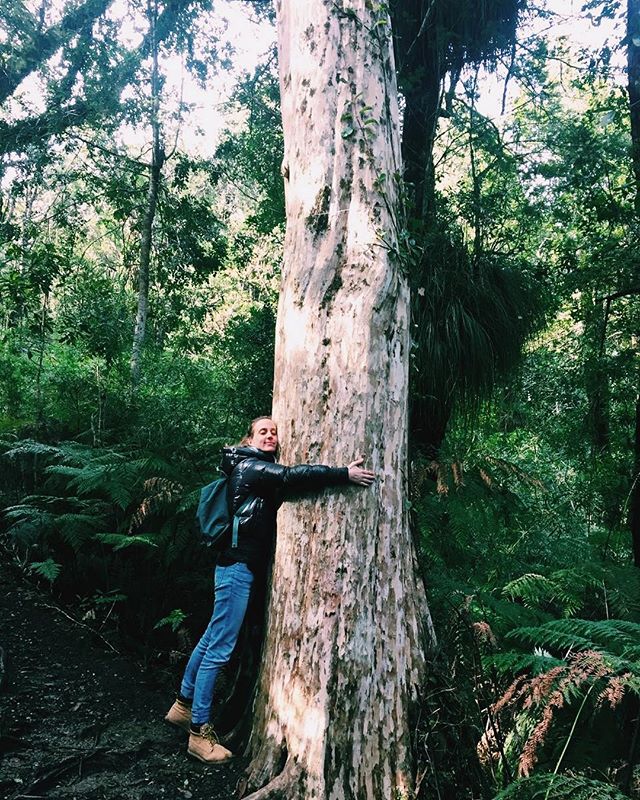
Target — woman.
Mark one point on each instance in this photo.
(252, 472)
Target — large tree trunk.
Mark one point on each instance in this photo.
(348, 623)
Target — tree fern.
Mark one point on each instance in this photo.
(159, 494)
(504, 615)
(531, 588)
(77, 528)
(111, 474)
(533, 706)
(546, 786)
(622, 586)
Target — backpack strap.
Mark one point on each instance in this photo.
(236, 520)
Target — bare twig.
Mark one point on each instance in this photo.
(82, 625)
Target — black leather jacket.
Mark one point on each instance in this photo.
(254, 472)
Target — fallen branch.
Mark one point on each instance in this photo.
(82, 625)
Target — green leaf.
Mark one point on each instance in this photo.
(119, 541)
(559, 787)
(48, 569)
(174, 618)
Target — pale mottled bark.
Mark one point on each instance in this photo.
(348, 622)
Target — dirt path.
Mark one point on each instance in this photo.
(79, 721)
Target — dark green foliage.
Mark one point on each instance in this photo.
(87, 85)
(95, 314)
(559, 787)
(251, 159)
(113, 523)
(462, 32)
(612, 636)
(509, 565)
(471, 317)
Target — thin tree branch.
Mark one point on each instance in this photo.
(622, 293)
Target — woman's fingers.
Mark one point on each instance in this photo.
(359, 475)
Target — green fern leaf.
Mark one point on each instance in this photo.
(119, 541)
(548, 638)
(48, 569)
(65, 470)
(190, 501)
(559, 787)
(530, 588)
(513, 663)
(175, 618)
(31, 447)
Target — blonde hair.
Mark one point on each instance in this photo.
(252, 425)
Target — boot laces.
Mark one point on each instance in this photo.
(208, 733)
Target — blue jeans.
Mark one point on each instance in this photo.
(213, 651)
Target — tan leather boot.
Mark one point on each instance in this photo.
(205, 746)
(179, 715)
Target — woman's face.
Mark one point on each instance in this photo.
(265, 435)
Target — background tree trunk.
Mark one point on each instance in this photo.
(633, 73)
(155, 171)
(345, 650)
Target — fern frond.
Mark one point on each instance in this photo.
(548, 786)
(111, 481)
(513, 663)
(37, 500)
(152, 466)
(622, 588)
(544, 637)
(108, 598)
(160, 493)
(48, 569)
(582, 634)
(119, 541)
(510, 468)
(31, 447)
(175, 619)
(503, 614)
(76, 528)
(531, 588)
(63, 470)
(190, 501)
(631, 630)
(28, 517)
(79, 520)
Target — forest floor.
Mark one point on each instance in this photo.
(80, 721)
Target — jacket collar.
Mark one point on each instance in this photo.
(232, 456)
